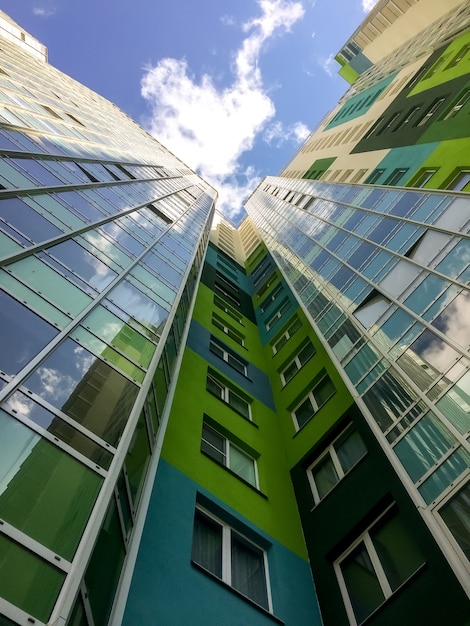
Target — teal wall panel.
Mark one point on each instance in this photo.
(166, 589)
(410, 158)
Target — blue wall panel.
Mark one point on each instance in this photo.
(166, 589)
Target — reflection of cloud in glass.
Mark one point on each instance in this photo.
(454, 321)
(84, 360)
(56, 387)
(20, 403)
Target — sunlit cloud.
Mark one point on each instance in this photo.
(277, 133)
(367, 5)
(329, 65)
(210, 127)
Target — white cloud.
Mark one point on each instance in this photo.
(210, 127)
(228, 20)
(277, 133)
(44, 11)
(367, 5)
(329, 65)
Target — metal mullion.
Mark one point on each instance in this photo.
(77, 320)
(34, 546)
(64, 417)
(72, 234)
(59, 443)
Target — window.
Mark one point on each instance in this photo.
(233, 300)
(456, 514)
(272, 296)
(430, 111)
(283, 307)
(408, 117)
(316, 398)
(223, 451)
(335, 462)
(376, 565)
(231, 557)
(286, 335)
(227, 309)
(461, 182)
(457, 105)
(303, 355)
(389, 123)
(228, 395)
(225, 281)
(459, 56)
(395, 176)
(374, 177)
(266, 285)
(230, 331)
(219, 349)
(423, 177)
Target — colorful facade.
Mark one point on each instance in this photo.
(215, 425)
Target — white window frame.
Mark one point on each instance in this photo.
(225, 394)
(313, 401)
(330, 451)
(228, 330)
(219, 303)
(262, 290)
(227, 531)
(226, 281)
(379, 571)
(226, 356)
(296, 360)
(271, 298)
(278, 314)
(430, 112)
(458, 105)
(287, 334)
(228, 445)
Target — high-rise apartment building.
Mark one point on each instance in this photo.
(214, 425)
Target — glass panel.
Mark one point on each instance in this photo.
(61, 484)
(27, 221)
(369, 313)
(350, 450)
(86, 265)
(99, 348)
(86, 388)
(456, 514)
(425, 293)
(323, 391)
(388, 399)
(455, 216)
(138, 458)
(290, 372)
(207, 544)
(398, 554)
(115, 332)
(23, 334)
(21, 404)
(138, 305)
(239, 404)
(102, 247)
(248, 575)
(451, 469)
(456, 260)
(304, 412)
(450, 320)
(423, 446)
(361, 581)
(399, 277)
(213, 444)
(150, 282)
(325, 476)
(50, 284)
(242, 465)
(27, 581)
(455, 405)
(103, 572)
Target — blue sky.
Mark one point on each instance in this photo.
(232, 87)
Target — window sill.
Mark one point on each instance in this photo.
(256, 606)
